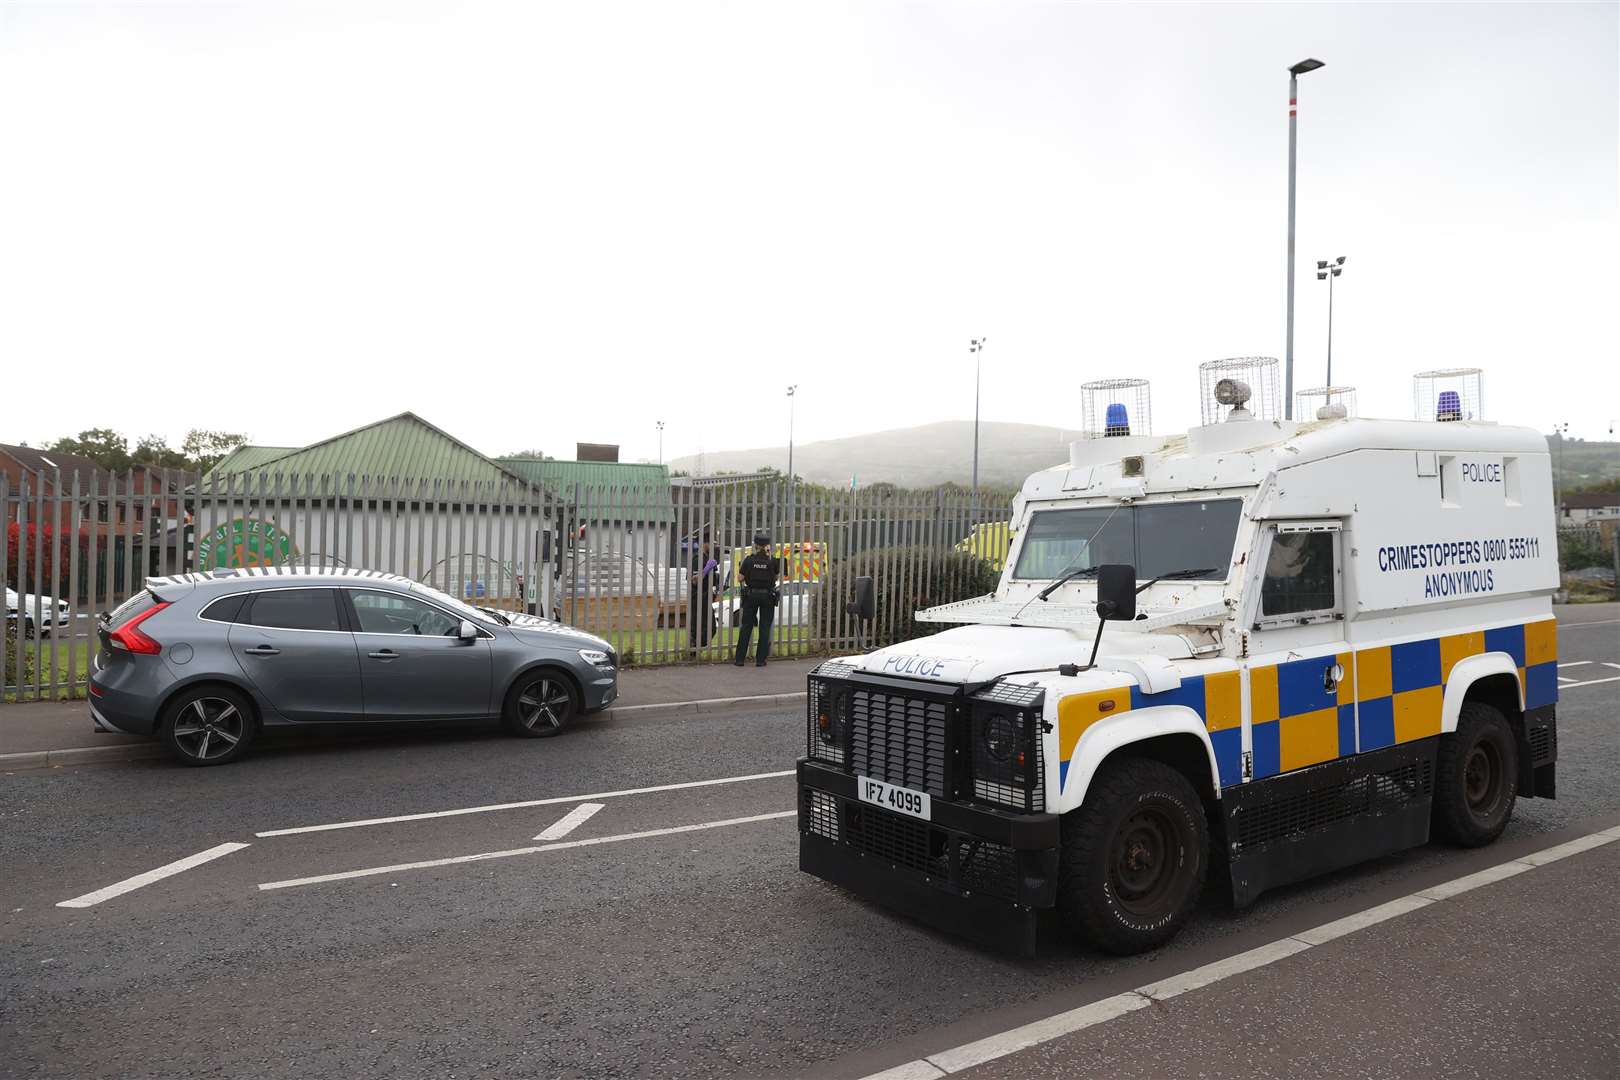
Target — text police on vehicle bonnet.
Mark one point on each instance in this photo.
(758, 575)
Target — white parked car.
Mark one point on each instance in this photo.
(793, 610)
(52, 612)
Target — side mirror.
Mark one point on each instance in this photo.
(467, 631)
(1116, 591)
(864, 604)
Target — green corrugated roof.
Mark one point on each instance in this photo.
(642, 490)
(249, 458)
(405, 447)
(558, 474)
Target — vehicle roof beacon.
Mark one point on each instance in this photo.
(1308, 640)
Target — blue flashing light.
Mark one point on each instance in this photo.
(1449, 406)
(1116, 421)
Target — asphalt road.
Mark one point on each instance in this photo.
(689, 953)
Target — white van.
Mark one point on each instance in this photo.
(1255, 652)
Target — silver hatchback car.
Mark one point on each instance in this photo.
(205, 661)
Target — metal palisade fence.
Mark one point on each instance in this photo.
(651, 569)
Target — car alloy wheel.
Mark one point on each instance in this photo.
(209, 728)
(545, 705)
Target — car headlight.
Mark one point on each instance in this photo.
(596, 657)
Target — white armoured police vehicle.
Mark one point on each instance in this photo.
(1259, 651)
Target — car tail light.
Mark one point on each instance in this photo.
(129, 636)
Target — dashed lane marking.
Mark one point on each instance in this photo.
(570, 821)
(373, 871)
(179, 866)
(363, 822)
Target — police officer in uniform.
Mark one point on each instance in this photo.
(758, 572)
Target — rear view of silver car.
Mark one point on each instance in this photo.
(204, 662)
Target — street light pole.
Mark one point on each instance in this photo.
(1293, 124)
(1558, 470)
(792, 391)
(1329, 271)
(976, 347)
(660, 442)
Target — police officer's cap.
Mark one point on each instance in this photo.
(761, 536)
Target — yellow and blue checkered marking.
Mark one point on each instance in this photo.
(1399, 691)
(1296, 721)
(1216, 698)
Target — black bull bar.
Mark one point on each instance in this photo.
(975, 872)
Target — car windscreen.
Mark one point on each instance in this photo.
(465, 611)
(1157, 539)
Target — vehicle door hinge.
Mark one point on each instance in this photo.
(1248, 765)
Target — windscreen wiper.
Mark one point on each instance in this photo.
(1064, 578)
(1176, 574)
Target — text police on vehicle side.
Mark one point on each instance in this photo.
(1325, 639)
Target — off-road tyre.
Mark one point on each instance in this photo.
(1476, 777)
(1134, 857)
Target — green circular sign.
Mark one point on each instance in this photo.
(243, 542)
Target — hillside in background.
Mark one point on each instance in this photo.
(1580, 464)
(910, 457)
(943, 453)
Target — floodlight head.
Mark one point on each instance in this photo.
(1341, 260)
(1321, 275)
(1305, 65)
(1321, 264)
(1232, 392)
(1337, 271)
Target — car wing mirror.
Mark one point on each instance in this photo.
(1116, 591)
(1116, 599)
(467, 631)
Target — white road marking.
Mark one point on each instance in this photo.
(1165, 989)
(1321, 935)
(1588, 682)
(572, 820)
(456, 860)
(179, 866)
(1021, 1038)
(1607, 663)
(1584, 625)
(522, 805)
(1573, 663)
(968, 1055)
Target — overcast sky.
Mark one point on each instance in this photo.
(541, 223)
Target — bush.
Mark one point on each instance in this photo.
(19, 661)
(953, 575)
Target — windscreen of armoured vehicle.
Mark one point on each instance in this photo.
(1159, 540)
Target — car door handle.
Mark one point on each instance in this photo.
(384, 654)
(262, 650)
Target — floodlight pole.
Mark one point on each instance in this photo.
(976, 346)
(1293, 140)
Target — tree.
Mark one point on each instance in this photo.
(533, 455)
(154, 452)
(104, 446)
(203, 450)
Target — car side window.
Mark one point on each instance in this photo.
(296, 609)
(390, 613)
(1301, 574)
(225, 609)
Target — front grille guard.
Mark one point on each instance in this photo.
(985, 749)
